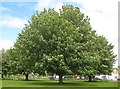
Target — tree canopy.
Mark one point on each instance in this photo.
(63, 43)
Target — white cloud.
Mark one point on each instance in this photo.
(6, 44)
(5, 9)
(104, 18)
(43, 4)
(107, 6)
(48, 4)
(13, 22)
(58, 6)
(104, 25)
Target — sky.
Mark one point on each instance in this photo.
(14, 15)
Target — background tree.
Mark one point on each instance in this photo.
(62, 43)
(7, 62)
(4, 64)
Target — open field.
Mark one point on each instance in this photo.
(50, 83)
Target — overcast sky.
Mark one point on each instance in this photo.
(103, 16)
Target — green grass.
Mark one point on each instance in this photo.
(51, 83)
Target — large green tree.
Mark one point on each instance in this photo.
(63, 43)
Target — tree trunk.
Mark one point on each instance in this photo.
(60, 79)
(2, 75)
(5, 74)
(90, 78)
(26, 77)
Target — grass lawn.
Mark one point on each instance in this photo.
(68, 84)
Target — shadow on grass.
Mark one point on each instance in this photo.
(95, 81)
(31, 80)
(56, 83)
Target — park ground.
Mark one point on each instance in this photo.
(53, 84)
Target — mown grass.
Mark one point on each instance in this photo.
(54, 83)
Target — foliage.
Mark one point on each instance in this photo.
(62, 43)
(7, 62)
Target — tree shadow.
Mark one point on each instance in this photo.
(56, 83)
(93, 81)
